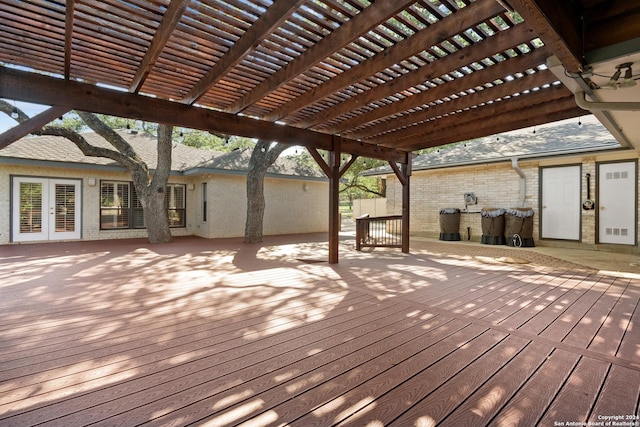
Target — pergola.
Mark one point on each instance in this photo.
(376, 79)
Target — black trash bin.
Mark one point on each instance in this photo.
(450, 224)
(518, 227)
(493, 226)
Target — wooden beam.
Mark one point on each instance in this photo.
(398, 173)
(411, 125)
(169, 22)
(68, 36)
(559, 25)
(432, 35)
(479, 78)
(473, 53)
(274, 16)
(41, 89)
(507, 108)
(34, 123)
(534, 115)
(347, 165)
(610, 23)
(369, 18)
(320, 161)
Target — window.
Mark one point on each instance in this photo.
(120, 207)
(114, 205)
(204, 202)
(174, 201)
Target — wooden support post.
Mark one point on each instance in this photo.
(334, 202)
(403, 173)
(406, 172)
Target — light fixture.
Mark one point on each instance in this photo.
(628, 80)
(14, 113)
(612, 84)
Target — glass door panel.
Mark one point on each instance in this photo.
(45, 209)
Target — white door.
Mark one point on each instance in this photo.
(560, 213)
(45, 209)
(617, 203)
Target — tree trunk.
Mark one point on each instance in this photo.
(264, 155)
(152, 193)
(155, 212)
(150, 190)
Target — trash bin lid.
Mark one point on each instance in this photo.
(449, 211)
(492, 212)
(520, 212)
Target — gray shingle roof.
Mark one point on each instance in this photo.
(238, 160)
(552, 139)
(184, 158)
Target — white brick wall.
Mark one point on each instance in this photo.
(292, 207)
(495, 185)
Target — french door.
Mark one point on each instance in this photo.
(45, 209)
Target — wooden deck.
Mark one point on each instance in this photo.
(219, 333)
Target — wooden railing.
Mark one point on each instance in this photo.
(381, 232)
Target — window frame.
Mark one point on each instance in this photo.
(132, 214)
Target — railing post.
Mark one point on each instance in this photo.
(361, 221)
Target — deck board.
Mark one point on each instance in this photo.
(445, 385)
(220, 333)
(530, 403)
(483, 405)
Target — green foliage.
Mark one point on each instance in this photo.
(355, 186)
(190, 137)
(208, 141)
(72, 121)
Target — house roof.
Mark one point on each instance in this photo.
(59, 151)
(238, 161)
(565, 137)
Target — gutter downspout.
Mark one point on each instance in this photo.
(582, 102)
(523, 181)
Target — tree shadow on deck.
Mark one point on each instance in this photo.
(223, 332)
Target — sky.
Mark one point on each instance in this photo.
(30, 110)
